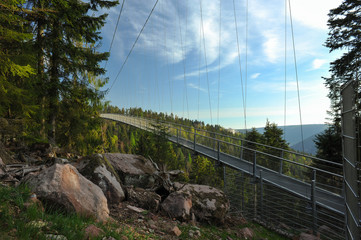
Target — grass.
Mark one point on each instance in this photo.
(19, 221)
(212, 232)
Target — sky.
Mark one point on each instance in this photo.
(235, 65)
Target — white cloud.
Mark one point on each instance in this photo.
(313, 13)
(318, 63)
(191, 85)
(255, 75)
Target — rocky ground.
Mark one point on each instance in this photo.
(128, 190)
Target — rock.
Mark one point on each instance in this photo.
(246, 233)
(98, 170)
(93, 232)
(55, 237)
(144, 198)
(178, 205)
(36, 224)
(62, 186)
(132, 169)
(208, 204)
(61, 160)
(176, 231)
(136, 209)
(306, 236)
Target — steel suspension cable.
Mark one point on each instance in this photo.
(239, 57)
(135, 42)
(219, 55)
(205, 59)
(199, 65)
(285, 96)
(245, 87)
(183, 60)
(298, 88)
(115, 31)
(167, 60)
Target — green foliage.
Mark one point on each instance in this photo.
(32, 223)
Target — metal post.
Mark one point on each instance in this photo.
(194, 141)
(242, 207)
(281, 163)
(177, 135)
(254, 165)
(313, 201)
(218, 152)
(241, 150)
(261, 191)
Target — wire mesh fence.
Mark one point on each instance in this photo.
(259, 198)
(254, 198)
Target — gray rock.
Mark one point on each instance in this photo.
(178, 205)
(61, 161)
(208, 203)
(62, 186)
(143, 198)
(133, 169)
(96, 169)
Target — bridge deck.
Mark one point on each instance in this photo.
(296, 187)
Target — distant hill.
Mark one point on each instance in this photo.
(294, 139)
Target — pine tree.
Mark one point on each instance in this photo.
(344, 34)
(67, 36)
(15, 61)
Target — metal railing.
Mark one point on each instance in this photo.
(268, 171)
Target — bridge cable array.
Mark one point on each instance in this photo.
(115, 31)
(135, 42)
(296, 72)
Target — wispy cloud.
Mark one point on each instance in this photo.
(191, 85)
(255, 75)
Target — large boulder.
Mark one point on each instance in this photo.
(133, 169)
(98, 170)
(62, 186)
(208, 203)
(178, 205)
(144, 198)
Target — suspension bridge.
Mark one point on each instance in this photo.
(318, 197)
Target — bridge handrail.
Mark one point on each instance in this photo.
(194, 131)
(239, 139)
(269, 155)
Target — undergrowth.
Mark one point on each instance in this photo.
(19, 221)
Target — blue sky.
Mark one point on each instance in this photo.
(182, 66)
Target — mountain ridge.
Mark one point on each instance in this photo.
(293, 137)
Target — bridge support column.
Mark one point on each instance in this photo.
(194, 140)
(177, 135)
(281, 163)
(254, 166)
(313, 201)
(261, 192)
(218, 152)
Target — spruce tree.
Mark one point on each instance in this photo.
(344, 34)
(67, 36)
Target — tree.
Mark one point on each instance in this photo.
(15, 61)
(66, 37)
(344, 34)
(273, 136)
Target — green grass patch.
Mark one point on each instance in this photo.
(20, 222)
